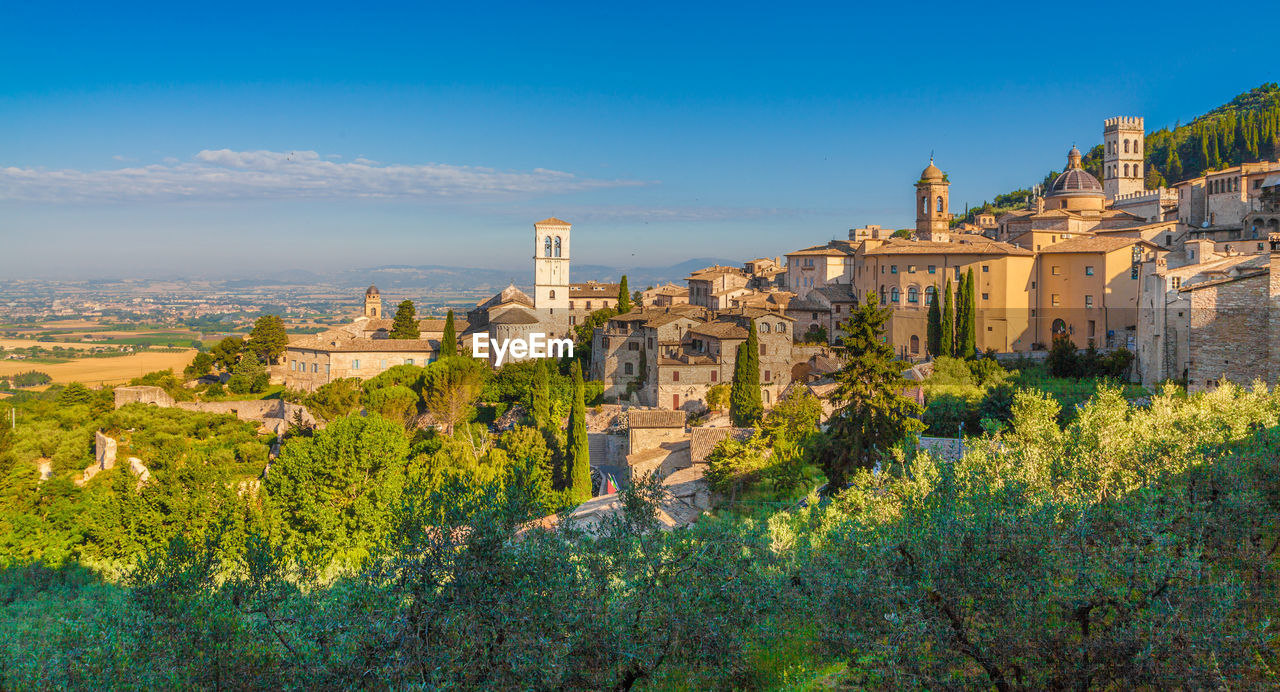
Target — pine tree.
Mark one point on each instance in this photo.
(871, 416)
(405, 325)
(935, 325)
(946, 343)
(1173, 164)
(541, 395)
(578, 452)
(745, 405)
(624, 297)
(449, 339)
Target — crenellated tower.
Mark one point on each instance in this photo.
(1123, 141)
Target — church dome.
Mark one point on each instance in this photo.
(931, 172)
(1075, 180)
(373, 291)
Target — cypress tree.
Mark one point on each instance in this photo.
(745, 406)
(449, 340)
(935, 325)
(946, 343)
(624, 296)
(578, 454)
(970, 341)
(405, 325)
(541, 395)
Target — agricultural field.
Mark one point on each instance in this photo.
(96, 371)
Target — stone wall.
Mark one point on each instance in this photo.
(142, 395)
(1229, 327)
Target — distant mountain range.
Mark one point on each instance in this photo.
(441, 278)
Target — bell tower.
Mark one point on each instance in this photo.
(933, 216)
(551, 265)
(373, 303)
(1122, 169)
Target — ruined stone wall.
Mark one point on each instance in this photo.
(1228, 333)
(142, 395)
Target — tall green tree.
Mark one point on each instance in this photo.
(405, 325)
(946, 339)
(624, 296)
(745, 405)
(268, 338)
(967, 318)
(449, 340)
(249, 376)
(577, 461)
(872, 416)
(450, 388)
(541, 394)
(935, 325)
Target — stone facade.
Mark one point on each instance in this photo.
(1123, 142)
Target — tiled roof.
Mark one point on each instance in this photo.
(592, 289)
(656, 418)
(841, 293)
(931, 247)
(366, 345)
(709, 273)
(670, 290)
(703, 440)
(720, 330)
(552, 221)
(822, 250)
(1093, 244)
(1224, 280)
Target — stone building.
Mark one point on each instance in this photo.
(1225, 311)
(665, 295)
(714, 287)
(1122, 168)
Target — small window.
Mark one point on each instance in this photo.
(1088, 301)
(382, 364)
(633, 346)
(766, 375)
(986, 296)
(714, 375)
(675, 375)
(933, 269)
(315, 367)
(893, 269)
(604, 341)
(986, 268)
(762, 349)
(782, 327)
(408, 361)
(913, 295)
(1088, 271)
(1054, 300)
(355, 364)
(911, 268)
(628, 369)
(894, 295)
(1055, 270)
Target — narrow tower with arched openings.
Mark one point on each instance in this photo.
(551, 265)
(1122, 169)
(373, 303)
(933, 204)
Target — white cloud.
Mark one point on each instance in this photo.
(223, 174)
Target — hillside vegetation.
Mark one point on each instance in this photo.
(1243, 130)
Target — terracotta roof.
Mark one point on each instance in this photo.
(1224, 280)
(703, 440)
(822, 250)
(720, 330)
(552, 221)
(366, 345)
(515, 316)
(931, 247)
(842, 293)
(1094, 244)
(510, 294)
(670, 290)
(709, 273)
(656, 418)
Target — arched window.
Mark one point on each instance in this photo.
(882, 301)
(924, 205)
(557, 246)
(913, 295)
(930, 293)
(915, 344)
(1126, 146)
(764, 327)
(553, 295)
(939, 204)
(894, 295)
(628, 369)
(782, 327)
(1137, 144)
(546, 247)
(1126, 170)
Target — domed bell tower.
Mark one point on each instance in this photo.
(373, 303)
(933, 217)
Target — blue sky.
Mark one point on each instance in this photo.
(220, 139)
